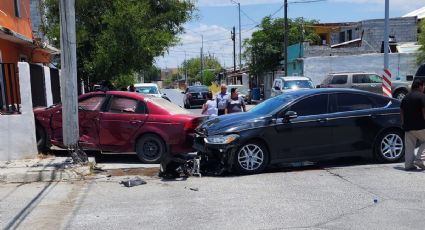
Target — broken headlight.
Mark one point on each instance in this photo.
(221, 139)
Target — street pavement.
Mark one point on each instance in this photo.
(343, 195)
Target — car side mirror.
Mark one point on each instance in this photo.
(289, 116)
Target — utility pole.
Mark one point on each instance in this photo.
(185, 68)
(68, 81)
(202, 59)
(234, 48)
(386, 83)
(286, 37)
(240, 39)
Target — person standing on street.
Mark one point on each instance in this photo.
(222, 99)
(412, 112)
(235, 103)
(210, 106)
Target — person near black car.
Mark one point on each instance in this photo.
(210, 106)
(222, 99)
(235, 104)
(412, 112)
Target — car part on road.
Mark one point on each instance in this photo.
(136, 181)
(389, 146)
(150, 149)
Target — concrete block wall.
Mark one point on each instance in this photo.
(317, 68)
(17, 132)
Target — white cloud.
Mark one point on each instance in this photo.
(408, 5)
(228, 2)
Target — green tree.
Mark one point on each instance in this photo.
(264, 50)
(193, 68)
(421, 54)
(120, 37)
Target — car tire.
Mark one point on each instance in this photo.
(251, 158)
(150, 149)
(389, 147)
(400, 94)
(41, 139)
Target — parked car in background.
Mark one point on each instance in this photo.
(371, 82)
(420, 73)
(304, 125)
(123, 122)
(290, 83)
(244, 92)
(151, 89)
(195, 95)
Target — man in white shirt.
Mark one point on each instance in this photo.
(222, 99)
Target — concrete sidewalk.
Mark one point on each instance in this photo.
(43, 169)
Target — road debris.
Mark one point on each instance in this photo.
(136, 181)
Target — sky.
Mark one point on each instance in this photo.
(214, 20)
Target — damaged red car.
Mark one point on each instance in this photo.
(122, 122)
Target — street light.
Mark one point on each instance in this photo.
(240, 39)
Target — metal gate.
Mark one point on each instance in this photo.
(10, 98)
(55, 83)
(38, 86)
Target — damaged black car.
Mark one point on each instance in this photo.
(304, 125)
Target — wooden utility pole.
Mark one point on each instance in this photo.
(69, 80)
(286, 37)
(234, 49)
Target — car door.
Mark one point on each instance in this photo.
(367, 82)
(277, 87)
(309, 135)
(120, 122)
(353, 122)
(339, 81)
(88, 108)
(88, 117)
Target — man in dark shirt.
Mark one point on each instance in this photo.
(413, 121)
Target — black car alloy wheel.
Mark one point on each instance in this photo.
(150, 149)
(252, 157)
(389, 146)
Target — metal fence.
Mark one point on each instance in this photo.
(10, 97)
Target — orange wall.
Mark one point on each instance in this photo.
(11, 53)
(21, 25)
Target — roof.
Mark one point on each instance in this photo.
(420, 13)
(294, 78)
(145, 84)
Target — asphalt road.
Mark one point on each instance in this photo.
(341, 196)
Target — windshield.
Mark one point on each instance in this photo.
(198, 89)
(242, 89)
(273, 104)
(297, 84)
(168, 106)
(147, 89)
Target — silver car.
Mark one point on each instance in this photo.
(371, 82)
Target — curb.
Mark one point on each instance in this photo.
(45, 173)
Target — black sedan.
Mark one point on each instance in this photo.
(303, 125)
(195, 95)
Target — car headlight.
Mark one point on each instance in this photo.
(221, 139)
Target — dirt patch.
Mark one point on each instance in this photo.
(131, 172)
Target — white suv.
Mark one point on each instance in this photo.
(283, 84)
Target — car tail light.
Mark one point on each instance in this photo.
(192, 124)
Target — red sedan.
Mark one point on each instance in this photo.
(123, 122)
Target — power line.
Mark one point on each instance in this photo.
(246, 15)
(306, 1)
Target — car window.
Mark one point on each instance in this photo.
(147, 89)
(360, 79)
(339, 80)
(351, 102)
(380, 101)
(168, 106)
(123, 105)
(373, 78)
(277, 84)
(92, 103)
(314, 105)
(197, 89)
(296, 84)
